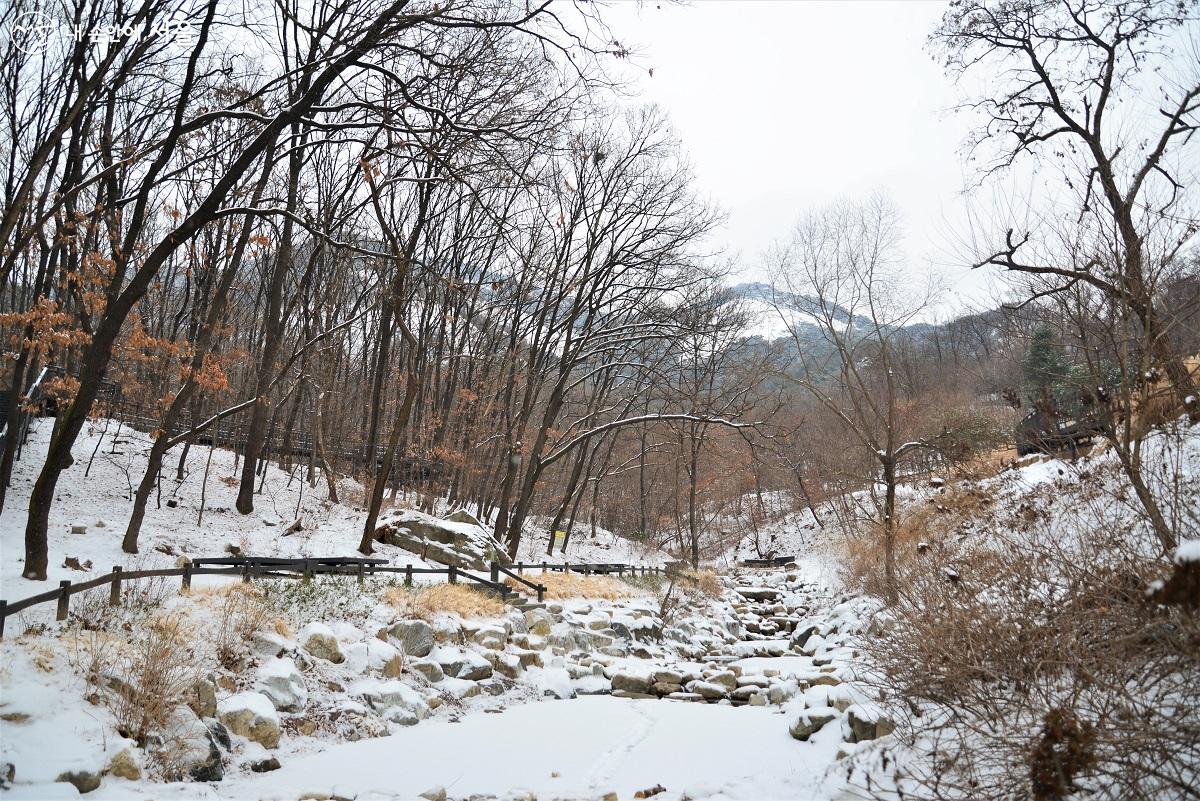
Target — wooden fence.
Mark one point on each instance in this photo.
(248, 568)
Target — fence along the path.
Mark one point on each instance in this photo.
(248, 568)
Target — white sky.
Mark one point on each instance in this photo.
(783, 105)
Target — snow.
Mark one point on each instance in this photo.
(1188, 551)
(581, 748)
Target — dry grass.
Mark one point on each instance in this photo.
(454, 599)
(572, 585)
(141, 682)
(706, 582)
(941, 515)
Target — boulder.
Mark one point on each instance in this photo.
(431, 670)
(725, 679)
(861, 724)
(187, 745)
(280, 680)
(707, 689)
(398, 702)
(125, 764)
(492, 637)
(459, 542)
(539, 622)
(460, 664)
(415, 636)
(251, 715)
(319, 640)
(632, 682)
(810, 721)
(204, 698)
(84, 780)
(370, 654)
(505, 664)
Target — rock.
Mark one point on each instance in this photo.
(394, 667)
(668, 676)
(125, 764)
(434, 794)
(370, 654)
(825, 679)
(753, 680)
(188, 746)
(251, 715)
(665, 688)
(810, 721)
(451, 542)
(204, 698)
(318, 640)
(280, 681)
(431, 670)
(463, 516)
(527, 658)
(84, 780)
(694, 697)
(758, 593)
(8, 772)
(758, 699)
(539, 622)
(267, 643)
(862, 724)
(726, 679)
(415, 636)
(265, 765)
(461, 664)
(632, 694)
(631, 682)
(505, 664)
(399, 702)
(491, 637)
(79, 528)
(707, 689)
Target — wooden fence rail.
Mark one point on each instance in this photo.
(248, 568)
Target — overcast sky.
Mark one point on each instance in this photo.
(784, 105)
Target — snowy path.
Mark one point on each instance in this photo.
(595, 745)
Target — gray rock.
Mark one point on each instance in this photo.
(631, 682)
(725, 679)
(861, 726)
(810, 721)
(429, 669)
(84, 780)
(462, 543)
(415, 637)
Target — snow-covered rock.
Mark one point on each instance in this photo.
(251, 715)
(280, 680)
(415, 636)
(320, 641)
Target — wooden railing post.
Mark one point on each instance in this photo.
(543, 567)
(187, 577)
(3, 617)
(360, 572)
(114, 589)
(495, 573)
(452, 574)
(408, 575)
(246, 573)
(308, 570)
(520, 567)
(541, 593)
(64, 599)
